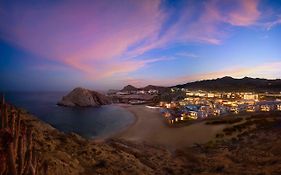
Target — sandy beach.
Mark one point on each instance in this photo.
(150, 127)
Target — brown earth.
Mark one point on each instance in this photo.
(252, 147)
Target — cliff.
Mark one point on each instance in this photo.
(83, 98)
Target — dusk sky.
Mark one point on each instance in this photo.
(106, 44)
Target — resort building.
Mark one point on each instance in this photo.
(252, 108)
(218, 95)
(202, 104)
(189, 94)
(171, 105)
(193, 115)
(278, 107)
(250, 96)
(122, 93)
(152, 91)
(141, 92)
(210, 95)
(265, 108)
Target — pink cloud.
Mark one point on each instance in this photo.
(94, 37)
(105, 29)
(84, 36)
(246, 13)
(207, 27)
(113, 68)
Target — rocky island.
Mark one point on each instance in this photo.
(82, 97)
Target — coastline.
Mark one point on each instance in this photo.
(71, 154)
(126, 128)
(120, 131)
(149, 127)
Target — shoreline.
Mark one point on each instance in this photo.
(71, 154)
(148, 125)
(120, 131)
(126, 128)
(150, 128)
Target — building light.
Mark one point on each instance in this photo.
(265, 108)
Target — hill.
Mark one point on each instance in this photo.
(159, 88)
(233, 84)
(129, 88)
(146, 88)
(83, 98)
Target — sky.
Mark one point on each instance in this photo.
(107, 44)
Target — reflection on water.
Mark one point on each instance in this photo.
(87, 122)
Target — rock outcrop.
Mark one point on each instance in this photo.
(84, 98)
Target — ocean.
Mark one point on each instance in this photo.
(92, 122)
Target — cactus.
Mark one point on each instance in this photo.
(17, 132)
(17, 154)
(20, 155)
(11, 160)
(3, 99)
(12, 123)
(5, 114)
(3, 164)
(5, 139)
(4, 118)
(28, 155)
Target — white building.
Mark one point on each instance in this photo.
(200, 94)
(250, 96)
(122, 93)
(217, 95)
(153, 91)
(141, 92)
(210, 95)
(189, 94)
(265, 108)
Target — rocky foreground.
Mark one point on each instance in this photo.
(82, 97)
(251, 146)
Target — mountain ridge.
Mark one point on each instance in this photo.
(146, 88)
(228, 83)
